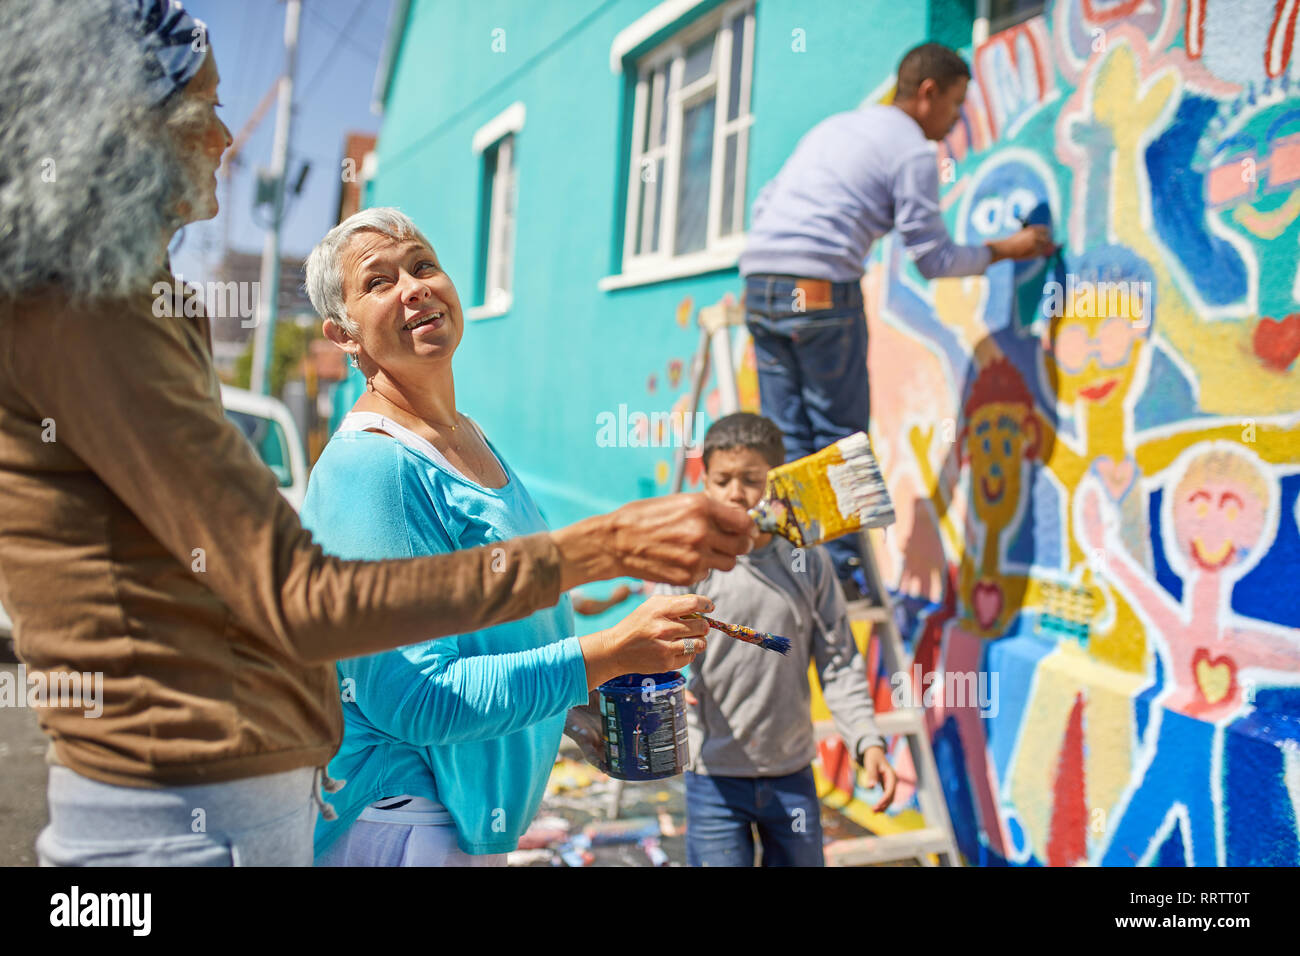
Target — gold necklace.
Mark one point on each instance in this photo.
(451, 440)
(455, 445)
(391, 404)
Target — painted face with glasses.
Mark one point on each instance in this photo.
(1252, 188)
(1094, 357)
(1253, 176)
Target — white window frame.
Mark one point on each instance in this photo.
(984, 25)
(720, 251)
(498, 275)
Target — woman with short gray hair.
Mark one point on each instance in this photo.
(447, 744)
(141, 539)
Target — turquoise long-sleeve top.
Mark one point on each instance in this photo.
(472, 721)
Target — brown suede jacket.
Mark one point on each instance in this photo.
(142, 539)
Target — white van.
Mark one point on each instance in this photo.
(270, 429)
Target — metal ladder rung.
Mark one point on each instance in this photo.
(905, 721)
(860, 851)
(866, 611)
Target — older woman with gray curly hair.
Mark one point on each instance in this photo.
(142, 543)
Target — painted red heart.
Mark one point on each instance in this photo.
(986, 597)
(1277, 341)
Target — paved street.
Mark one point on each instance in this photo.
(578, 795)
(22, 780)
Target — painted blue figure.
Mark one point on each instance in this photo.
(1173, 789)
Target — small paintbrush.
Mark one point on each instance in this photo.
(822, 496)
(747, 634)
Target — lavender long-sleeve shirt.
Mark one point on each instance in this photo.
(852, 178)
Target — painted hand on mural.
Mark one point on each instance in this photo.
(1120, 103)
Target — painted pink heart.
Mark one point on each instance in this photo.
(986, 597)
(1117, 475)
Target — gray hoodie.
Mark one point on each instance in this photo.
(752, 719)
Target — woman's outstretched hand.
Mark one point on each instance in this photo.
(650, 640)
(676, 539)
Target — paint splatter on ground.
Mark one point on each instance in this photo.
(579, 794)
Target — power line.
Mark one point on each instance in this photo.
(344, 34)
(338, 39)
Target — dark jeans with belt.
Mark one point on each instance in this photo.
(812, 370)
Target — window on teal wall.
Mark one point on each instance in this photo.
(497, 250)
(501, 227)
(1007, 13)
(690, 142)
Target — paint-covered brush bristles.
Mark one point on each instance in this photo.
(833, 492)
(771, 642)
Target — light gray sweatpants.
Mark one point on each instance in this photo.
(259, 821)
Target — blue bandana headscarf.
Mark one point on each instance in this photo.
(175, 41)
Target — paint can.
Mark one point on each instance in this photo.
(643, 722)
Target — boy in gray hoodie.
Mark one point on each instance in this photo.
(751, 732)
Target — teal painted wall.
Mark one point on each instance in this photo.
(537, 378)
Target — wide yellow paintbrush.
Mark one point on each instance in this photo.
(833, 492)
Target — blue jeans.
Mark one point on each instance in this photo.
(812, 371)
(721, 810)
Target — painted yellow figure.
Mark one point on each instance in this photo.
(1237, 370)
(1001, 432)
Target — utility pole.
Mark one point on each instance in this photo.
(268, 308)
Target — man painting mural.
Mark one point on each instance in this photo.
(851, 179)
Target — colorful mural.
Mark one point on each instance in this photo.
(1119, 424)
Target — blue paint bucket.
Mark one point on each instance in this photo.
(643, 720)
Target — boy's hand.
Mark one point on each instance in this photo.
(692, 699)
(879, 771)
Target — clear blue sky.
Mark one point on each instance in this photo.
(339, 45)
